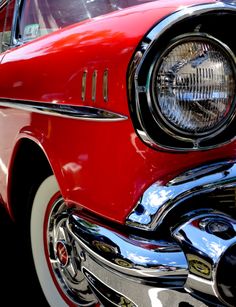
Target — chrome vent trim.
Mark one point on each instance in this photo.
(105, 85)
(94, 85)
(86, 83)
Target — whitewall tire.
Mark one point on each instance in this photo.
(46, 191)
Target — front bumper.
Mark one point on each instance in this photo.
(129, 271)
(180, 261)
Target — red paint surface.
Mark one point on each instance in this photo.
(103, 167)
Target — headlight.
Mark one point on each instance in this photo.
(192, 87)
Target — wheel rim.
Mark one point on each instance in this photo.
(64, 258)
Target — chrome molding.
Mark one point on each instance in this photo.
(14, 40)
(143, 52)
(182, 14)
(63, 110)
(159, 200)
(3, 3)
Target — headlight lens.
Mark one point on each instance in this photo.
(193, 86)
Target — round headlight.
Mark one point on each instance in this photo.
(193, 86)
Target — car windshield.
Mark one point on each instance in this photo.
(39, 17)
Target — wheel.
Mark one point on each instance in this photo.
(56, 261)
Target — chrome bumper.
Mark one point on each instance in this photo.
(124, 271)
(183, 264)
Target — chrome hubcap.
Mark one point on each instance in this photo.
(64, 257)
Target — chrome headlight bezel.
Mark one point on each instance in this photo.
(207, 20)
(152, 99)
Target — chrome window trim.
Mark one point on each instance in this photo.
(159, 200)
(14, 41)
(3, 3)
(142, 52)
(4, 45)
(64, 110)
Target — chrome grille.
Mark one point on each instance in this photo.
(224, 200)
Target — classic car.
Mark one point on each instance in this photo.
(118, 149)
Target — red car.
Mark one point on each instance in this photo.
(118, 150)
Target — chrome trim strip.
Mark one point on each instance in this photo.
(63, 110)
(15, 41)
(3, 3)
(182, 14)
(159, 200)
(83, 85)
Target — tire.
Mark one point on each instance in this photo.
(53, 254)
(46, 191)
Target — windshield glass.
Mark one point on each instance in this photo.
(39, 17)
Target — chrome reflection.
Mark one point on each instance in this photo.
(124, 270)
(205, 238)
(63, 110)
(159, 200)
(133, 256)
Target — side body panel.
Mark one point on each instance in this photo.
(102, 166)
